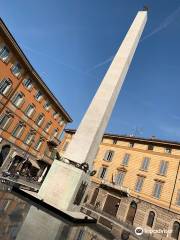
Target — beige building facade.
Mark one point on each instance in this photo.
(137, 184)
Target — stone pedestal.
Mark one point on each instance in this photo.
(62, 185)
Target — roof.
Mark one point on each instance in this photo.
(153, 141)
(24, 59)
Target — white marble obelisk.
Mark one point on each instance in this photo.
(63, 180)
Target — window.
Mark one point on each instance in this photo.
(163, 167)
(94, 196)
(47, 105)
(16, 69)
(178, 198)
(120, 178)
(150, 147)
(150, 219)
(38, 144)
(27, 83)
(38, 95)
(59, 136)
(4, 53)
(139, 184)
(13, 230)
(145, 164)
(55, 114)
(29, 138)
(114, 141)
(102, 172)
(4, 203)
(157, 189)
(18, 131)
(40, 119)
(5, 121)
(18, 99)
(5, 86)
(175, 230)
(80, 235)
(55, 132)
(61, 122)
(168, 150)
(131, 144)
(126, 159)
(30, 110)
(65, 146)
(47, 127)
(109, 155)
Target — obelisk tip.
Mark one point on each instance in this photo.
(145, 8)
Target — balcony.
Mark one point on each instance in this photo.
(124, 191)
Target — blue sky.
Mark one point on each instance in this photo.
(69, 43)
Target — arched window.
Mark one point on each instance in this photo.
(4, 152)
(131, 212)
(5, 86)
(175, 230)
(150, 219)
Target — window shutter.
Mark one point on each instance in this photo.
(99, 173)
(112, 155)
(105, 175)
(22, 102)
(14, 97)
(106, 155)
(178, 198)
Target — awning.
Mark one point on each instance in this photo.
(46, 160)
(34, 163)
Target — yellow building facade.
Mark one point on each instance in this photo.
(137, 184)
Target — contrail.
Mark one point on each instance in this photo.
(101, 64)
(164, 24)
(168, 20)
(59, 63)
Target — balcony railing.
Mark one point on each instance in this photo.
(114, 186)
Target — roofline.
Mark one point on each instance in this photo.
(157, 142)
(31, 69)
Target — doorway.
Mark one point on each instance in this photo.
(131, 212)
(3, 154)
(111, 205)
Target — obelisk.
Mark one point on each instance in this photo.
(85, 142)
(65, 177)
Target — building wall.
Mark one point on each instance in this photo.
(55, 114)
(165, 207)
